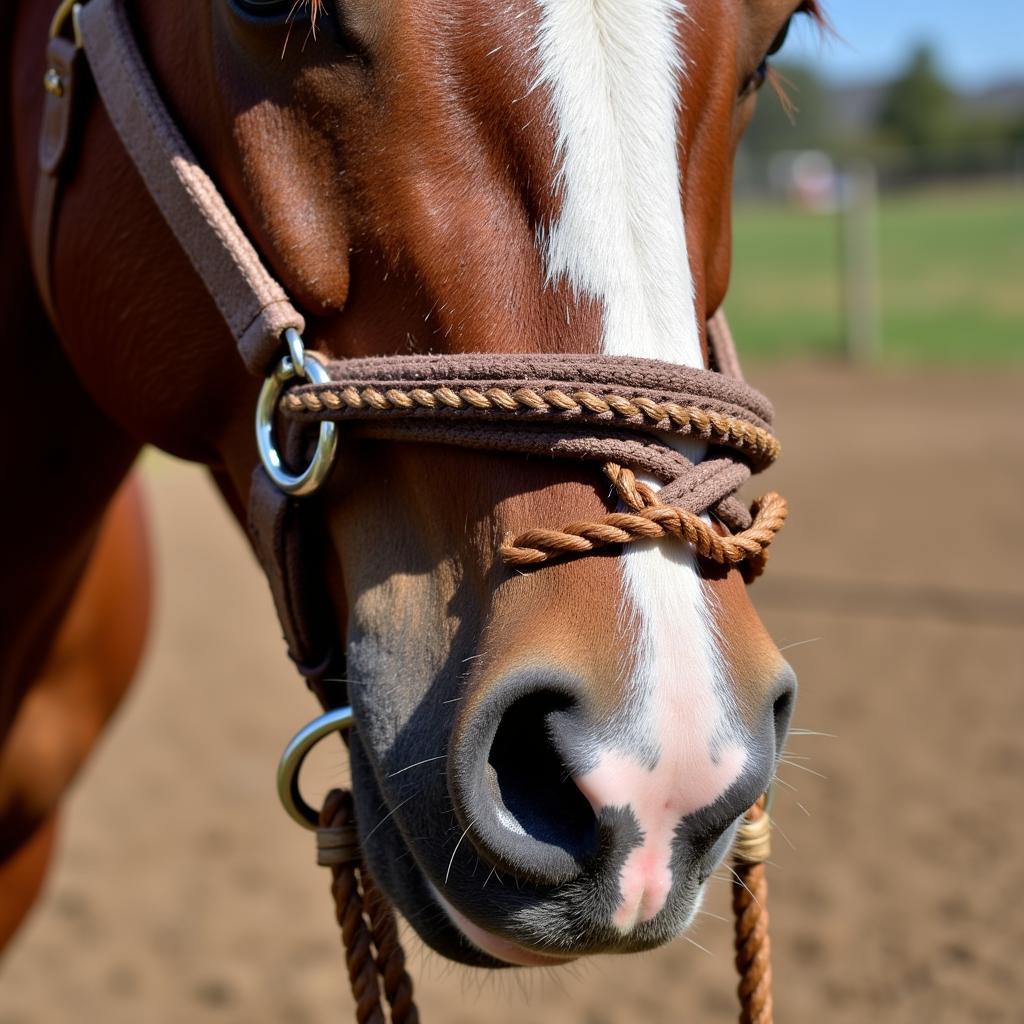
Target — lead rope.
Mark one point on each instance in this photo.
(750, 913)
(369, 930)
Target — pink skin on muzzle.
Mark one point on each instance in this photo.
(682, 782)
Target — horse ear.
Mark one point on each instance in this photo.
(288, 186)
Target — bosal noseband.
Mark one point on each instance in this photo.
(621, 413)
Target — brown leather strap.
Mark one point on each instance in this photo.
(62, 60)
(286, 536)
(253, 304)
(722, 347)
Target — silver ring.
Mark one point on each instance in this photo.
(338, 720)
(312, 370)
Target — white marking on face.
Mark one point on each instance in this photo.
(612, 68)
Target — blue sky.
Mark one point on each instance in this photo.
(978, 41)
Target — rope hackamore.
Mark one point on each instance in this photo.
(620, 412)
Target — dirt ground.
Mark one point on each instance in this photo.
(183, 894)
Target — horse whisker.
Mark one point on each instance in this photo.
(397, 807)
(789, 842)
(426, 760)
(803, 768)
(800, 643)
(708, 913)
(703, 949)
(448, 873)
(736, 877)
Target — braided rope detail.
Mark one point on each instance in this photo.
(652, 519)
(337, 819)
(760, 444)
(750, 909)
(390, 955)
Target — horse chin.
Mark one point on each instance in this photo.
(503, 951)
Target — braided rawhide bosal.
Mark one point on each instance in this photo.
(750, 912)
(369, 931)
(616, 411)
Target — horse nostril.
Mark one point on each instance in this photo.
(782, 708)
(531, 784)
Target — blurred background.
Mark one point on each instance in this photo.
(880, 208)
(878, 297)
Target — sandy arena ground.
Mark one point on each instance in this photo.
(183, 894)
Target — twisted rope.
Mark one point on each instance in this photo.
(750, 910)
(366, 919)
(760, 445)
(653, 519)
(390, 955)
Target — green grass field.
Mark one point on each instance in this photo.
(952, 278)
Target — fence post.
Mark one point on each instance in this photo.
(858, 229)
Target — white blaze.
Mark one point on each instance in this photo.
(613, 68)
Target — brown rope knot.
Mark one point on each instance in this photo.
(650, 518)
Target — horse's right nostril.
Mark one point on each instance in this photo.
(534, 788)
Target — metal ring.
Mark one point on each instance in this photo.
(313, 476)
(338, 720)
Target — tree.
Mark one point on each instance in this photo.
(918, 109)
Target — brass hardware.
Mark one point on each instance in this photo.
(68, 9)
(52, 82)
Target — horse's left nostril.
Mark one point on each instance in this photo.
(535, 790)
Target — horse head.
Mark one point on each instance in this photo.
(548, 763)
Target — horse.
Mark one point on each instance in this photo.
(541, 178)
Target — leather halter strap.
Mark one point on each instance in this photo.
(62, 60)
(253, 304)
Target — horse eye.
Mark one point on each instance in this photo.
(760, 75)
(265, 8)
(780, 40)
(318, 13)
